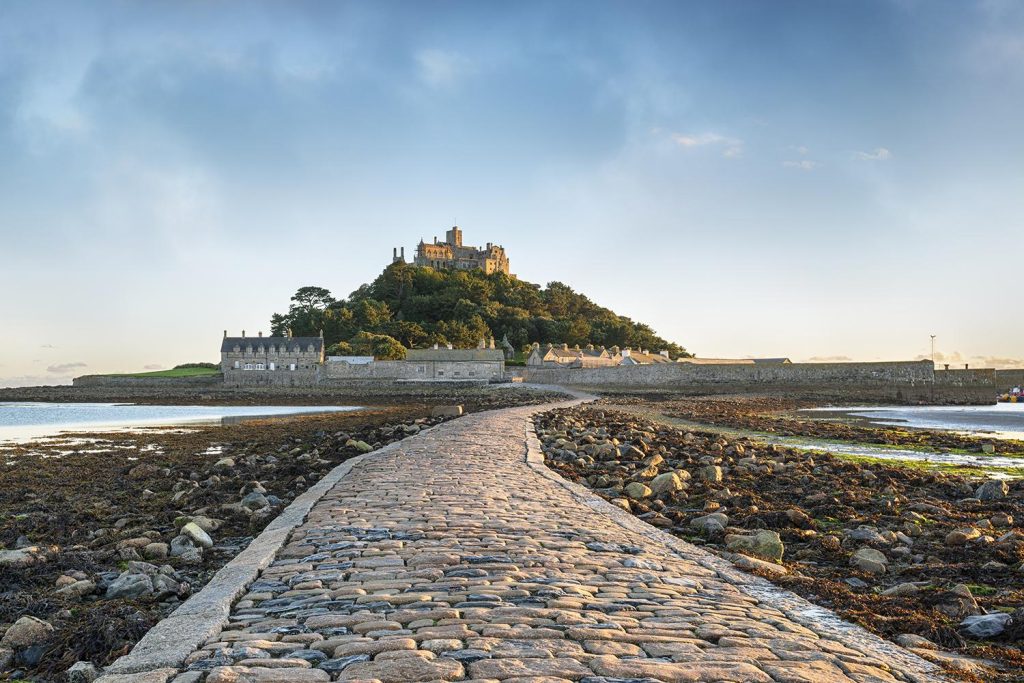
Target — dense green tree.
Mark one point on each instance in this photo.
(417, 307)
(380, 346)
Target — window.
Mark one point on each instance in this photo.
(440, 373)
(271, 366)
(238, 364)
(421, 369)
(292, 367)
(248, 366)
(261, 366)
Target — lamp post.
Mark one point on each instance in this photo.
(933, 349)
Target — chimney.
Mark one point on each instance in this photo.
(394, 253)
(565, 347)
(965, 366)
(243, 334)
(435, 347)
(225, 334)
(403, 254)
(946, 366)
(449, 346)
(260, 333)
(626, 352)
(321, 333)
(289, 333)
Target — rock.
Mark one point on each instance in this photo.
(986, 625)
(753, 563)
(870, 560)
(902, 590)
(711, 524)
(665, 483)
(156, 551)
(1001, 519)
(196, 533)
(962, 536)
(636, 491)
(27, 632)
(446, 411)
(225, 463)
(254, 501)
(82, 672)
(164, 586)
(22, 557)
(180, 545)
(914, 641)
(360, 446)
(993, 489)
(77, 589)
(6, 658)
(143, 471)
(988, 449)
(712, 473)
(764, 544)
(127, 586)
(866, 534)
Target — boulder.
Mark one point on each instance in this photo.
(636, 490)
(665, 483)
(446, 411)
(156, 551)
(27, 632)
(870, 560)
(128, 586)
(225, 463)
(962, 536)
(986, 625)
(22, 557)
(711, 524)
(712, 473)
(988, 449)
(993, 489)
(82, 672)
(77, 589)
(254, 501)
(360, 446)
(764, 544)
(196, 533)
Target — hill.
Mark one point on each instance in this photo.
(418, 307)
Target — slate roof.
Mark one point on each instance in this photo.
(421, 355)
(293, 344)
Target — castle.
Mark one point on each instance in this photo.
(453, 255)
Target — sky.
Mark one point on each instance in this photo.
(817, 180)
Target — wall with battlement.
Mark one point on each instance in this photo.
(1008, 379)
(903, 381)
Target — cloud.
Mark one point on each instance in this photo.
(731, 147)
(153, 366)
(830, 359)
(47, 346)
(441, 68)
(879, 154)
(802, 164)
(65, 368)
(998, 362)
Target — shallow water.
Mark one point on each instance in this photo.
(1001, 421)
(25, 421)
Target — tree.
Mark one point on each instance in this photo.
(312, 298)
(380, 346)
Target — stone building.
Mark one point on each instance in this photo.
(270, 354)
(562, 356)
(455, 364)
(452, 254)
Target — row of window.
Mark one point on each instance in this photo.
(264, 366)
(274, 349)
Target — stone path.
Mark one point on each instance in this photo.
(451, 557)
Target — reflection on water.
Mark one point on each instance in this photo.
(25, 421)
(1002, 420)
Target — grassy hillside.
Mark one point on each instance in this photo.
(421, 306)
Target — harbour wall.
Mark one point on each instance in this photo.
(124, 381)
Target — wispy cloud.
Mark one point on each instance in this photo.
(153, 366)
(442, 68)
(830, 359)
(878, 154)
(802, 164)
(731, 147)
(65, 368)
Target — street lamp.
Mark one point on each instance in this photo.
(933, 348)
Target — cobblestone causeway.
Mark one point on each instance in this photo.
(453, 558)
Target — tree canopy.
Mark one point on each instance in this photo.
(414, 306)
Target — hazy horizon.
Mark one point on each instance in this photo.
(820, 181)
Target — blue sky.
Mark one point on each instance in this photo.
(808, 179)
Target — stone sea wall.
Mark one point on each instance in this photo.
(901, 381)
(127, 382)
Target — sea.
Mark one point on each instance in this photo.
(21, 422)
(1001, 421)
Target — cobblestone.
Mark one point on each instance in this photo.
(453, 558)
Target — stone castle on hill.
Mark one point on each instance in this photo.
(452, 254)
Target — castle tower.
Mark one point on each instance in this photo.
(454, 236)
